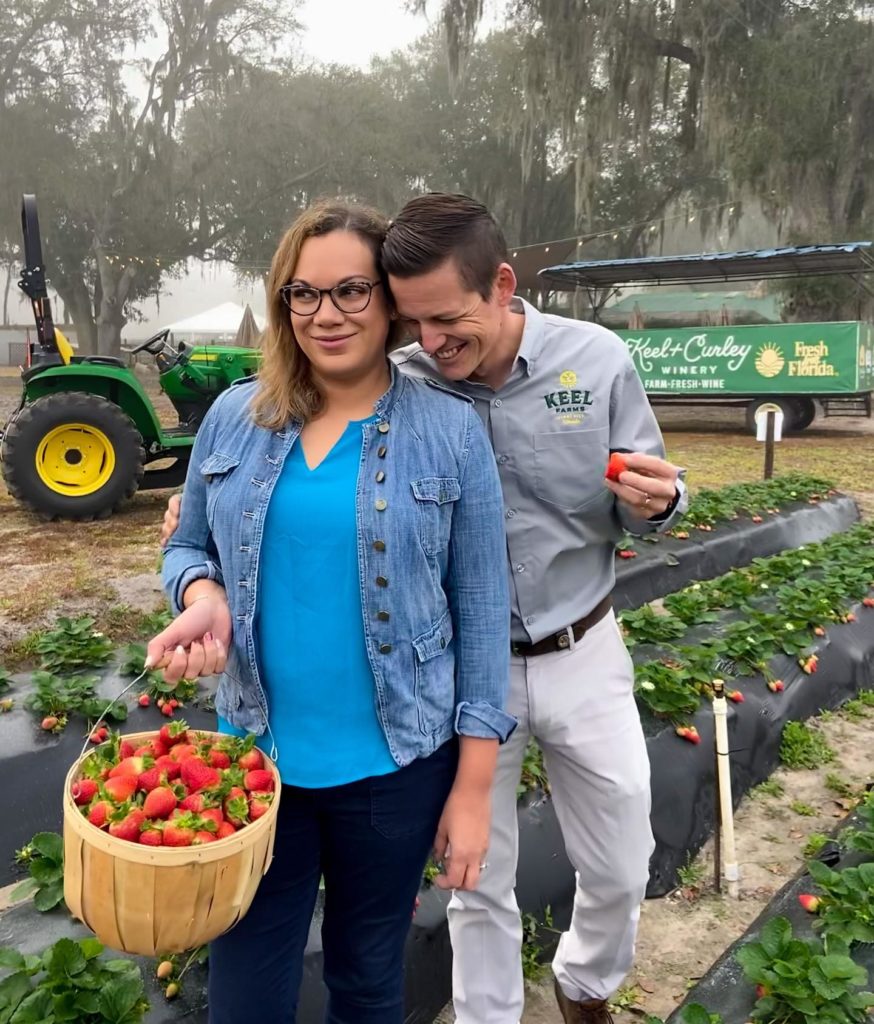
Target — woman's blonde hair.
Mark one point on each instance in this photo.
(286, 388)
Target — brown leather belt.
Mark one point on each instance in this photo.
(561, 641)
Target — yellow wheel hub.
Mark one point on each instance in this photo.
(75, 459)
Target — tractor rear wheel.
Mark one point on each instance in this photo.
(72, 455)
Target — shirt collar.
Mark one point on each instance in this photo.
(532, 334)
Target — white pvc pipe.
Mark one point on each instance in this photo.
(730, 869)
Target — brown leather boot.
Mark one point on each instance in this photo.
(587, 1011)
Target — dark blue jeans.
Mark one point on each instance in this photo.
(370, 840)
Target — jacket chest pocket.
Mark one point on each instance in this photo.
(569, 467)
(435, 498)
(216, 470)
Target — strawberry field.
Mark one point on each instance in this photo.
(768, 587)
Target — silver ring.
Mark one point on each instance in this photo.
(646, 499)
(484, 865)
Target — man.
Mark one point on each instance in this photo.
(557, 396)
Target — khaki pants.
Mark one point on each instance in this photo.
(578, 705)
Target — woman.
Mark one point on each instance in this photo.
(339, 558)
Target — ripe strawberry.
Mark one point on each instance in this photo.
(99, 813)
(129, 826)
(810, 903)
(49, 722)
(615, 466)
(251, 760)
(133, 766)
(183, 750)
(868, 602)
(736, 696)
(688, 732)
(762, 992)
(757, 519)
(180, 831)
(173, 703)
(236, 807)
(776, 685)
(259, 804)
(84, 791)
(225, 829)
(260, 780)
(120, 788)
(681, 534)
(197, 775)
(212, 814)
(850, 617)
(219, 759)
(175, 732)
(627, 553)
(144, 700)
(151, 836)
(202, 837)
(125, 749)
(167, 710)
(168, 766)
(150, 779)
(197, 802)
(96, 736)
(159, 803)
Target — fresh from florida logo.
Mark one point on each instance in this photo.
(569, 402)
(770, 361)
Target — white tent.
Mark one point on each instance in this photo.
(213, 325)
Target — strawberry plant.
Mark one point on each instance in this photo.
(861, 838)
(803, 982)
(645, 626)
(846, 903)
(61, 695)
(5, 680)
(44, 858)
(70, 981)
(533, 771)
(665, 689)
(73, 645)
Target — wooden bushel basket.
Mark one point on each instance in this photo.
(150, 900)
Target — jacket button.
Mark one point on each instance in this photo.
(381, 581)
(383, 616)
(383, 428)
(380, 504)
(379, 545)
(381, 450)
(385, 648)
(380, 476)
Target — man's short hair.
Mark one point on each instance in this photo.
(433, 228)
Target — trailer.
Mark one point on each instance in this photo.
(798, 366)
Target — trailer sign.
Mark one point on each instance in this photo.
(758, 359)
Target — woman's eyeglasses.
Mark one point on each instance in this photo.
(348, 297)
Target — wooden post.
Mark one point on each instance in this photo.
(769, 446)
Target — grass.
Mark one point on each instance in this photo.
(815, 842)
(768, 788)
(837, 784)
(803, 746)
(805, 810)
(692, 874)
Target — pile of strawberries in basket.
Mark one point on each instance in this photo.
(180, 788)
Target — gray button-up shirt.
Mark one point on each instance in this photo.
(572, 396)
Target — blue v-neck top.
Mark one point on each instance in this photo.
(309, 625)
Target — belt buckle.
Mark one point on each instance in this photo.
(565, 640)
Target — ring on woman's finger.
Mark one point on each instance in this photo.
(484, 865)
(646, 500)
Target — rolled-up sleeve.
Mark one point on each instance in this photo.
(478, 593)
(191, 553)
(634, 428)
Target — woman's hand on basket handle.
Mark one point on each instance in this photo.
(196, 642)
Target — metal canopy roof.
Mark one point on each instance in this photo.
(701, 268)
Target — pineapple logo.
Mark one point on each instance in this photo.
(770, 361)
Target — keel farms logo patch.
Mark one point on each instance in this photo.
(570, 402)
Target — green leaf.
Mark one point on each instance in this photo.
(13, 989)
(841, 967)
(35, 1009)
(49, 897)
(66, 959)
(11, 959)
(753, 959)
(776, 933)
(120, 996)
(91, 948)
(50, 845)
(695, 1013)
(44, 871)
(25, 889)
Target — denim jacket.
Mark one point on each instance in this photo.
(431, 560)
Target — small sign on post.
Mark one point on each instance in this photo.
(769, 428)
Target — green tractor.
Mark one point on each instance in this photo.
(85, 435)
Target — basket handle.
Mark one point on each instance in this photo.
(108, 707)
